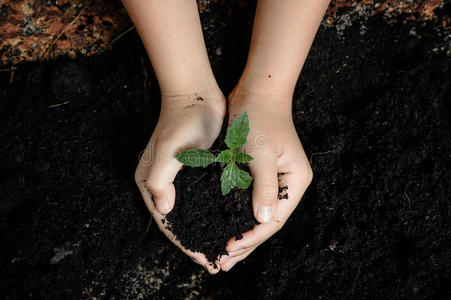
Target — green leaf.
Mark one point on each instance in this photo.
(228, 178)
(237, 132)
(225, 156)
(232, 177)
(242, 157)
(244, 180)
(196, 158)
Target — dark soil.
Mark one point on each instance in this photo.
(203, 219)
(373, 113)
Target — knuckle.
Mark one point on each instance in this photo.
(163, 145)
(262, 157)
(161, 140)
(138, 179)
(305, 173)
(269, 156)
(308, 174)
(267, 192)
(154, 185)
(149, 185)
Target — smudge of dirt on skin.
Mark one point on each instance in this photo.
(189, 106)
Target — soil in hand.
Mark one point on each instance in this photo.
(203, 219)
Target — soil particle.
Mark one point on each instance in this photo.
(283, 194)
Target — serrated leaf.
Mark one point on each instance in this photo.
(196, 158)
(224, 156)
(228, 178)
(243, 157)
(237, 132)
(232, 177)
(244, 180)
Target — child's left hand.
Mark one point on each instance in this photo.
(185, 122)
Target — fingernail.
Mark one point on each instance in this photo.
(162, 205)
(265, 213)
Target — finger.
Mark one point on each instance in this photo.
(295, 175)
(197, 257)
(296, 179)
(161, 174)
(240, 251)
(231, 255)
(253, 237)
(227, 266)
(293, 186)
(212, 268)
(141, 176)
(265, 187)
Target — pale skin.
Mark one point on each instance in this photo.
(282, 36)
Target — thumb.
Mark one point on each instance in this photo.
(160, 179)
(265, 189)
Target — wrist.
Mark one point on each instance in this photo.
(242, 99)
(264, 97)
(204, 85)
(268, 80)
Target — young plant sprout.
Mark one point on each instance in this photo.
(232, 176)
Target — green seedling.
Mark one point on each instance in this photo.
(232, 176)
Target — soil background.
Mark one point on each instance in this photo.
(372, 110)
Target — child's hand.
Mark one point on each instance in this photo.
(279, 161)
(185, 122)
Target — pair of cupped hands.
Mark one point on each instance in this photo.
(194, 122)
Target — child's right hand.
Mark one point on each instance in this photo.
(280, 165)
(185, 122)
